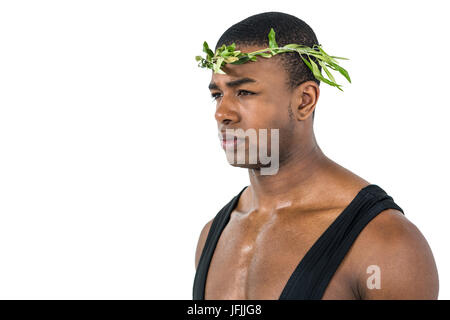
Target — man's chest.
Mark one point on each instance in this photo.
(255, 258)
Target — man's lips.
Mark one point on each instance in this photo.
(230, 140)
(230, 143)
(224, 136)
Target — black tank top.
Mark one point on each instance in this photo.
(314, 272)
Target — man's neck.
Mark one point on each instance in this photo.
(292, 185)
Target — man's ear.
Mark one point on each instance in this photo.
(305, 100)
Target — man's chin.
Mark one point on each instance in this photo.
(245, 165)
(242, 161)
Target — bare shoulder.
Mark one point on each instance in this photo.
(201, 241)
(391, 259)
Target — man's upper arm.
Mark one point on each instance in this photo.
(201, 241)
(398, 262)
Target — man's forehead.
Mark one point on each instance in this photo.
(252, 72)
(232, 82)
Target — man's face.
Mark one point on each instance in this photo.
(260, 102)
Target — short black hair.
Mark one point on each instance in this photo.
(254, 30)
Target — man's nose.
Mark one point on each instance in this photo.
(226, 111)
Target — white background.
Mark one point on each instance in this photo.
(109, 159)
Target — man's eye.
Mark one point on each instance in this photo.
(215, 95)
(246, 92)
(240, 92)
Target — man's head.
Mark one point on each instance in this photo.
(284, 91)
(254, 30)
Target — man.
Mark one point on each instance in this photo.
(312, 230)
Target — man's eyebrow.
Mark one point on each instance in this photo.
(231, 84)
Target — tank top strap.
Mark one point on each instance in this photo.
(219, 222)
(314, 272)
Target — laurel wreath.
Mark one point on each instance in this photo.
(228, 54)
